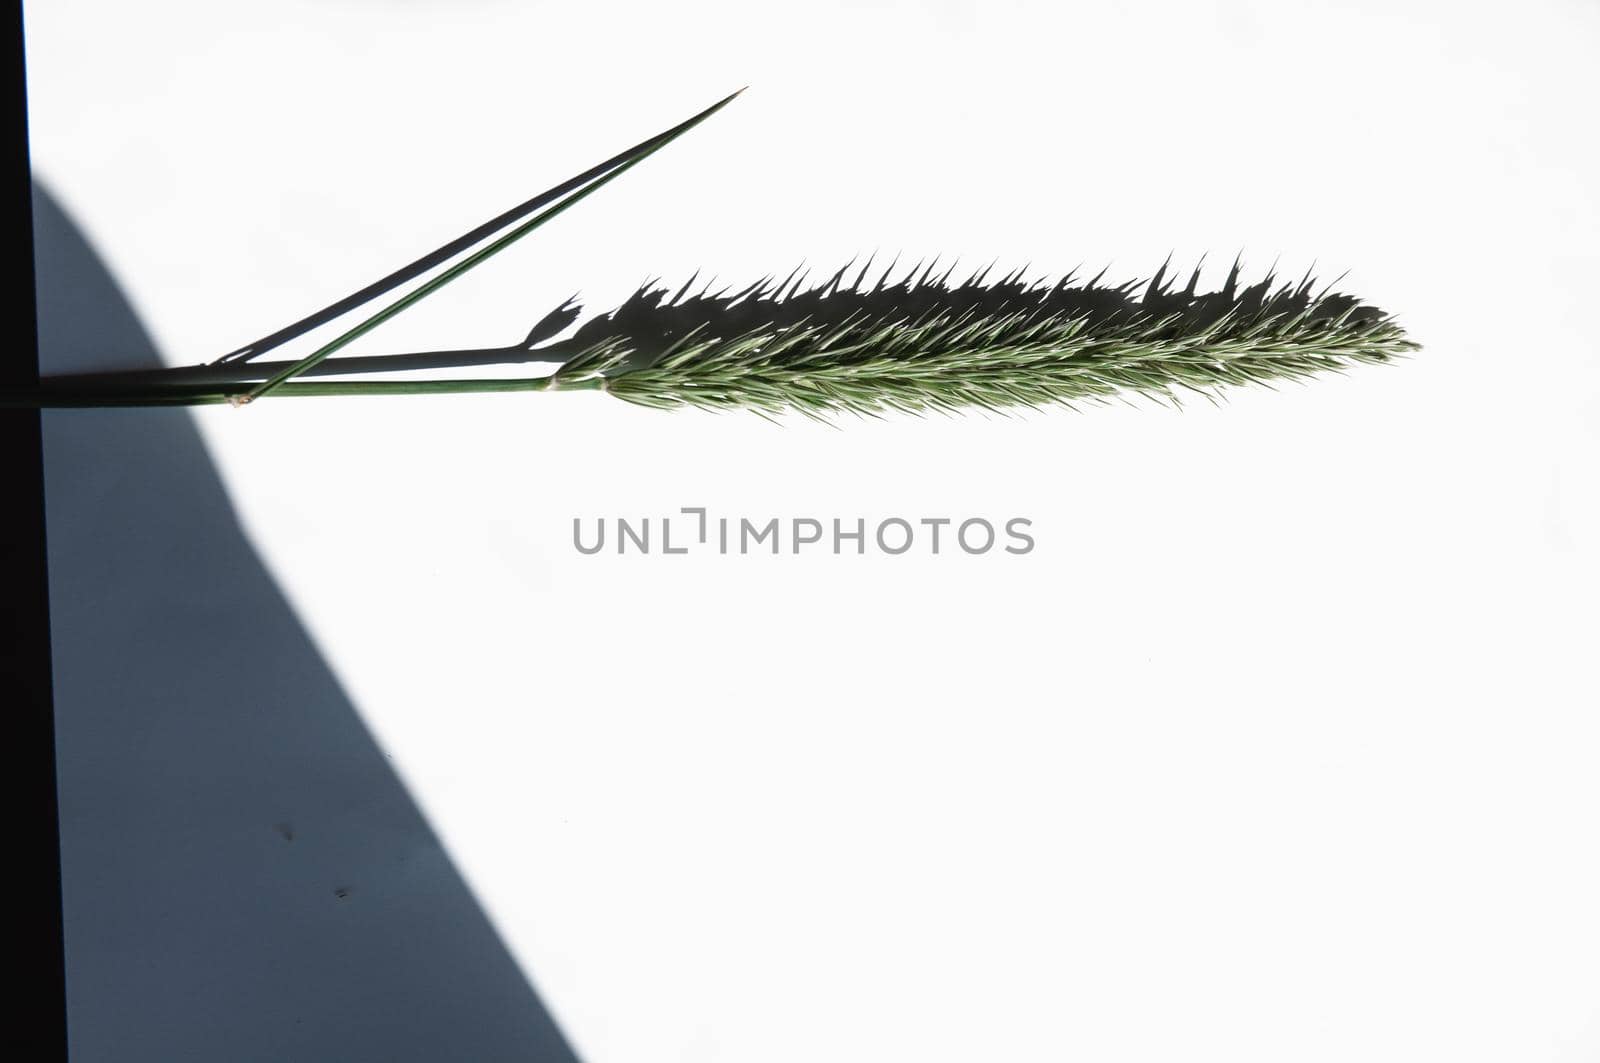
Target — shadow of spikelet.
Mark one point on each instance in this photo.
(924, 343)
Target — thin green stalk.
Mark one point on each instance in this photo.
(43, 398)
(242, 373)
(468, 263)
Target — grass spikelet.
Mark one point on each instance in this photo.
(923, 343)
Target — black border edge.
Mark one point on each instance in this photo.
(25, 678)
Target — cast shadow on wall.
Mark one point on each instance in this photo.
(245, 876)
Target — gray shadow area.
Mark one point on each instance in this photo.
(245, 876)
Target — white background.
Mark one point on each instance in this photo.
(1280, 745)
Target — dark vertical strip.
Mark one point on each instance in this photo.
(25, 601)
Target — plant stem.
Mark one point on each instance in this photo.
(237, 373)
(201, 395)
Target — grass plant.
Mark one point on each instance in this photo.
(850, 344)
